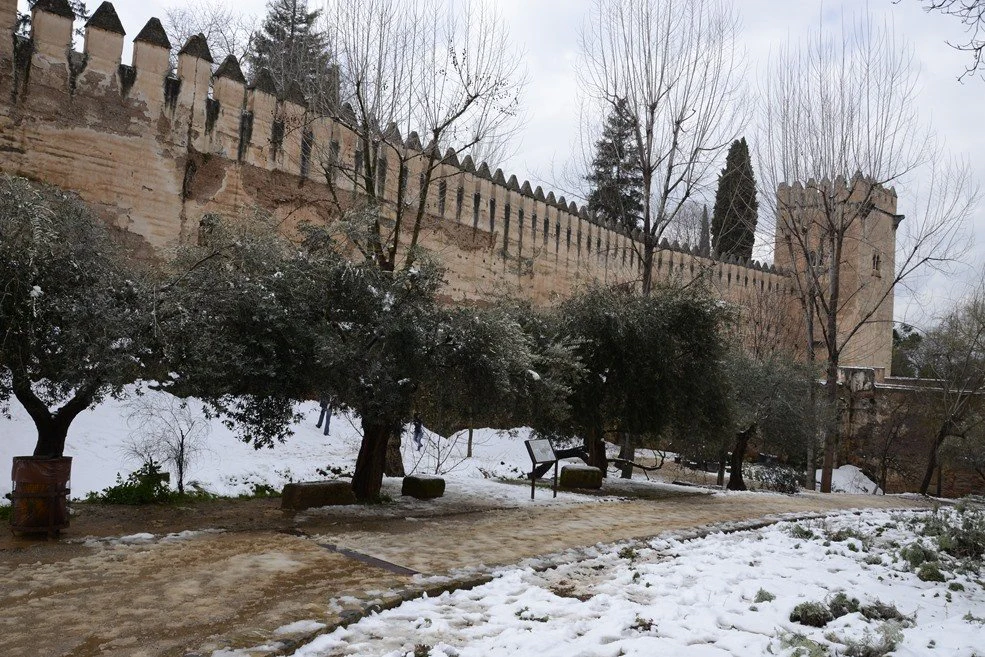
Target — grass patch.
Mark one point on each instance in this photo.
(813, 614)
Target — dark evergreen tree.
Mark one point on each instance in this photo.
(616, 179)
(292, 47)
(733, 223)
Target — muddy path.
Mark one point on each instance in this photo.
(242, 569)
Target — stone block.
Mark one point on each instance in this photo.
(311, 494)
(423, 487)
(580, 476)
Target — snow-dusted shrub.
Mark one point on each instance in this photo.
(814, 614)
(930, 572)
(802, 646)
(841, 605)
(883, 642)
(777, 478)
(881, 611)
(762, 595)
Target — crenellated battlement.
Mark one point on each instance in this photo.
(155, 148)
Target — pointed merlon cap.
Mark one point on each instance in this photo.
(483, 171)
(539, 194)
(198, 47)
(154, 34)
(550, 198)
(499, 178)
(584, 213)
(392, 134)
(348, 114)
(105, 18)
(230, 70)
(573, 207)
(525, 189)
(561, 204)
(264, 82)
(57, 7)
(468, 165)
(295, 95)
(414, 141)
(513, 184)
(451, 157)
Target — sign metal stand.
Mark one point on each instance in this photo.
(541, 451)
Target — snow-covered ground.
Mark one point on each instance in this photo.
(719, 596)
(99, 438)
(98, 443)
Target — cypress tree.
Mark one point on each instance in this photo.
(616, 180)
(291, 46)
(733, 224)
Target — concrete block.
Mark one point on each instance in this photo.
(311, 494)
(423, 487)
(580, 476)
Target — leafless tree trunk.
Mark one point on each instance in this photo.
(422, 87)
(676, 66)
(838, 106)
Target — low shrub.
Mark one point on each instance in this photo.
(813, 614)
(762, 595)
(779, 479)
(881, 611)
(929, 572)
(841, 605)
(916, 554)
(880, 644)
(148, 485)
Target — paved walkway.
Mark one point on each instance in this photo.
(232, 589)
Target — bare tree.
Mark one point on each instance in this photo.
(422, 86)
(971, 14)
(227, 31)
(166, 431)
(953, 353)
(836, 105)
(674, 69)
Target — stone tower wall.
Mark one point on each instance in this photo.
(866, 213)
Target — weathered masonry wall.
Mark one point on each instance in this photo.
(155, 151)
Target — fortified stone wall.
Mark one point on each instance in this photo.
(154, 151)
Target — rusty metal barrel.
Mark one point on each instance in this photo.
(39, 500)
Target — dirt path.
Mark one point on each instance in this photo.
(199, 593)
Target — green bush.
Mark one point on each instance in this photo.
(929, 572)
(880, 644)
(814, 614)
(4, 512)
(881, 611)
(801, 532)
(145, 486)
(841, 605)
(762, 595)
(915, 554)
(779, 479)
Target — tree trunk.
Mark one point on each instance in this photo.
(595, 447)
(394, 464)
(468, 452)
(722, 463)
(735, 481)
(52, 427)
(647, 265)
(931, 462)
(831, 427)
(627, 452)
(368, 477)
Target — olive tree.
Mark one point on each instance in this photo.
(77, 314)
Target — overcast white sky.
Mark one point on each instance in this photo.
(546, 31)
